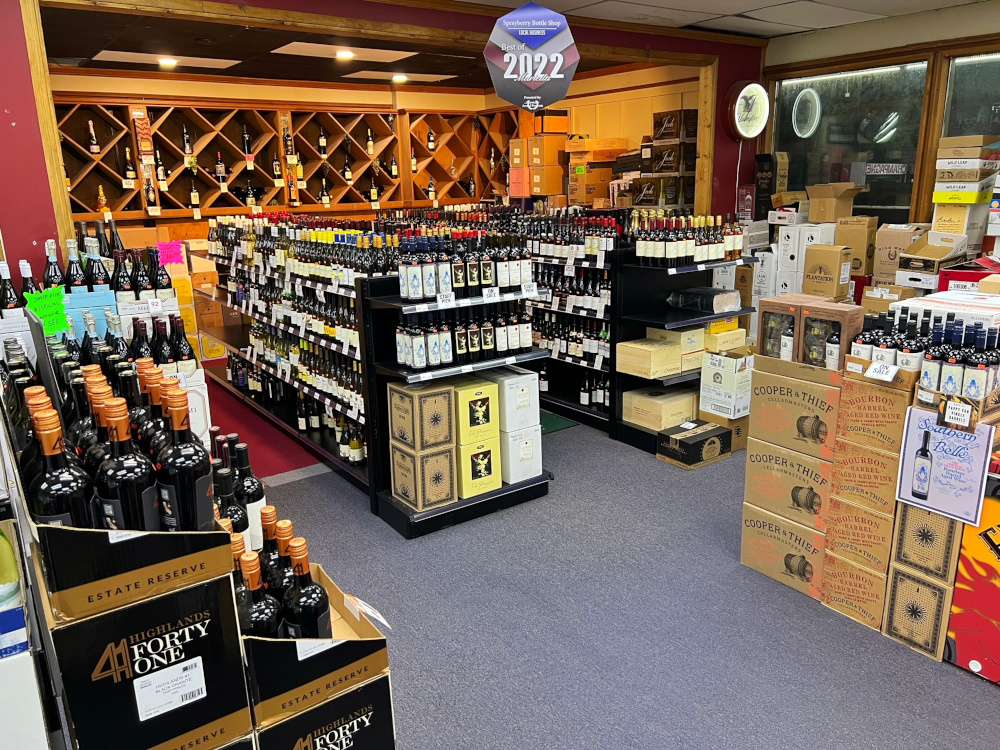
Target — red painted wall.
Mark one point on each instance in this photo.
(27, 218)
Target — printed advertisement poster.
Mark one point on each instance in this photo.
(941, 469)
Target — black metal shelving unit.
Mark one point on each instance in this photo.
(640, 301)
(380, 309)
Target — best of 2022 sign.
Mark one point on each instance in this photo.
(531, 56)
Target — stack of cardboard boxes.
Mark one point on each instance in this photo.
(963, 186)
(591, 168)
(519, 422)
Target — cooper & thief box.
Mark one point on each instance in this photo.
(788, 483)
(786, 551)
(794, 413)
(858, 534)
(865, 476)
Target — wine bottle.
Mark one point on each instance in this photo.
(265, 612)
(125, 484)
(52, 275)
(183, 352)
(250, 494)
(98, 278)
(923, 466)
(121, 281)
(10, 302)
(142, 284)
(28, 285)
(76, 279)
(306, 605)
(240, 590)
(99, 394)
(269, 554)
(130, 173)
(282, 575)
(184, 475)
(92, 145)
(61, 494)
(229, 506)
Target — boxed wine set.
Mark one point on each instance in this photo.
(199, 617)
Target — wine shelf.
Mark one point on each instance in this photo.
(579, 362)
(692, 269)
(576, 263)
(571, 410)
(412, 524)
(408, 308)
(684, 377)
(318, 441)
(546, 306)
(256, 274)
(674, 318)
(412, 376)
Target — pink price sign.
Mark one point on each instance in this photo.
(170, 252)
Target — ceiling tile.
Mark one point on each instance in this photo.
(617, 10)
(386, 75)
(811, 15)
(716, 7)
(365, 54)
(154, 59)
(898, 7)
(751, 26)
(559, 6)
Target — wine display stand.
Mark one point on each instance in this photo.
(380, 310)
(640, 303)
(468, 145)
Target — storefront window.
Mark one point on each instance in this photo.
(973, 106)
(861, 126)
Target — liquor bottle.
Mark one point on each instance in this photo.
(275, 167)
(102, 201)
(130, 173)
(431, 192)
(347, 172)
(100, 451)
(324, 195)
(543, 380)
(194, 196)
(370, 145)
(393, 167)
(250, 494)
(306, 605)
(28, 285)
(98, 278)
(52, 275)
(923, 466)
(184, 475)
(162, 282)
(125, 484)
(9, 299)
(282, 575)
(269, 554)
(183, 353)
(302, 413)
(250, 197)
(265, 612)
(76, 279)
(150, 193)
(413, 161)
(92, 145)
(61, 494)
(246, 142)
(140, 348)
(220, 168)
(163, 352)
(286, 141)
(118, 344)
(787, 349)
(887, 345)
(121, 281)
(910, 353)
(356, 455)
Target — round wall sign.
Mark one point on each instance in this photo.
(806, 113)
(747, 109)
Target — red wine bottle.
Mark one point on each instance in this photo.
(305, 607)
(125, 484)
(184, 475)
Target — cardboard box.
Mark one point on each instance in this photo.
(689, 339)
(554, 121)
(932, 252)
(859, 534)
(360, 719)
(965, 277)
(546, 151)
(987, 164)
(168, 668)
(725, 383)
(960, 218)
(942, 196)
(723, 342)
(596, 144)
(691, 361)
(786, 551)
(518, 397)
(966, 141)
(657, 408)
(547, 180)
(519, 179)
(790, 258)
(831, 201)
(521, 454)
(788, 483)
(774, 316)
(878, 299)
(858, 233)
(648, 358)
(789, 198)
(694, 442)
(927, 543)
(990, 284)
(795, 414)
(423, 480)
(891, 240)
(798, 371)
(858, 286)
(721, 325)
(24, 722)
(827, 271)
(865, 476)
(477, 413)
(587, 182)
(969, 175)
(675, 123)
(422, 415)
(479, 467)
(968, 152)
(818, 321)
(764, 185)
(872, 415)
(784, 216)
(518, 149)
(853, 590)
(916, 611)
(739, 427)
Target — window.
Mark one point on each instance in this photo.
(859, 126)
(973, 106)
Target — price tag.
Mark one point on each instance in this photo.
(882, 371)
(253, 355)
(600, 310)
(700, 266)
(107, 216)
(600, 257)
(425, 376)
(491, 293)
(435, 203)
(955, 412)
(300, 184)
(326, 200)
(569, 269)
(671, 271)
(510, 360)
(420, 308)
(554, 303)
(292, 159)
(197, 214)
(224, 187)
(256, 210)
(376, 206)
(466, 369)
(529, 290)
(155, 307)
(599, 362)
(353, 414)
(279, 183)
(446, 299)
(322, 297)
(128, 184)
(148, 159)
(153, 210)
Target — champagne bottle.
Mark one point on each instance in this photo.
(76, 279)
(53, 275)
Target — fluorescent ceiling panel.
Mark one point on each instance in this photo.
(897, 7)
(145, 58)
(361, 54)
(741, 25)
(386, 75)
(617, 10)
(811, 15)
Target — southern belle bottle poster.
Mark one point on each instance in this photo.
(942, 469)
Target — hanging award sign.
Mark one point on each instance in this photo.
(532, 57)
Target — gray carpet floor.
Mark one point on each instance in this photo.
(614, 613)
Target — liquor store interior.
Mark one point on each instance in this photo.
(622, 370)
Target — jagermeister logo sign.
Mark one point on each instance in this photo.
(747, 108)
(531, 56)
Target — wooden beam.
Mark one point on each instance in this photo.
(45, 107)
(707, 100)
(931, 125)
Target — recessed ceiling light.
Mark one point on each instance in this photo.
(399, 78)
(344, 54)
(358, 54)
(167, 62)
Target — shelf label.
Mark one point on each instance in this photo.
(671, 271)
(170, 252)
(153, 210)
(376, 206)
(882, 371)
(510, 360)
(600, 310)
(529, 290)
(958, 413)
(224, 187)
(107, 216)
(291, 159)
(256, 210)
(435, 203)
(569, 269)
(197, 214)
(446, 299)
(600, 257)
(466, 369)
(128, 184)
(155, 306)
(300, 184)
(148, 159)
(425, 376)
(420, 308)
(599, 362)
(279, 182)
(491, 293)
